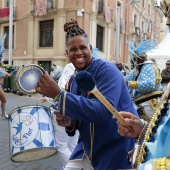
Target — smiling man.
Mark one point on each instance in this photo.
(100, 146)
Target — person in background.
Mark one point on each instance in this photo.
(144, 81)
(154, 137)
(3, 74)
(165, 74)
(120, 67)
(100, 146)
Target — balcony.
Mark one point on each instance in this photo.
(50, 6)
(4, 14)
(105, 11)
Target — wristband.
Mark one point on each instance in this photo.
(57, 96)
(13, 72)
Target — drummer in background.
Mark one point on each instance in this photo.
(144, 82)
(3, 74)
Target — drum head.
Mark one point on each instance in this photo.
(27, 78)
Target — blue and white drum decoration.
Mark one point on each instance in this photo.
(31, 134)
(27, 78)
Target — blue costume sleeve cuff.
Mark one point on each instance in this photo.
(13, 72)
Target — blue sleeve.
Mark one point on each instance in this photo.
(111, 84)
(131, 76)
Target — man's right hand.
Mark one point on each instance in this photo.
(64, 121)
(132, 122)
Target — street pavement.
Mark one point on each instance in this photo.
(14, 101)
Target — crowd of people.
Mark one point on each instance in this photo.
(87, 134)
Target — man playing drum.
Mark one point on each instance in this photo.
(100, 145)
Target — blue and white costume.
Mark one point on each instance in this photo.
(100, 142)
(144, 82)
(2, 73)
(154, 153)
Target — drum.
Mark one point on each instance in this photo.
(31, 134)
(27, 78)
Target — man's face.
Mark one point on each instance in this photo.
(168, 65)
(139, 60)
(79, 52)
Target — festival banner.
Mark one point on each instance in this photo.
(4, 12)
(40, 7)
(108, 14)
(149, 30)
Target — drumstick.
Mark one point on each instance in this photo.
(86, 82)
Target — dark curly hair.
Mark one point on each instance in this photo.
(72, 29)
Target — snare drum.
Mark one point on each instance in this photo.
(31, 134)
(27, 78)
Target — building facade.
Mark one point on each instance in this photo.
(38, 35)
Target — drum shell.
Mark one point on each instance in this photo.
(31, 134)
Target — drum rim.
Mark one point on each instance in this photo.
(17, 77)
(28, 106)
(29, 150)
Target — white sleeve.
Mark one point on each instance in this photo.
(66, 73)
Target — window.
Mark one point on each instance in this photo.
(46, 65)
(99, 38)
(149, 8)
(135, 19)
(49, 4)
(101, 7)
(143, 3)
(6, 43)
(7, 3)
(142, 27)
(46, 33)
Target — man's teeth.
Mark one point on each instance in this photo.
(80, 59)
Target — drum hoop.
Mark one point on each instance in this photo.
(21, 71)
(34, 149)
(28, 106)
